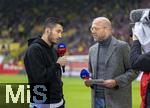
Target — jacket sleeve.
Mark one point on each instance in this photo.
(138, 60)
(36, 67)
(129, 75)
(89, 62)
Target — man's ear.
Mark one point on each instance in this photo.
(47, 30)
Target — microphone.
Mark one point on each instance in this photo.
(84, 74)
(135, 15)
(61, 49)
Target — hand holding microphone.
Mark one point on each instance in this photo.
(85, 75)
(134, 37)
(62, 61)
(61, 49)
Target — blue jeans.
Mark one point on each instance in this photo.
(32, 105)
(99, 102)
(61, 104)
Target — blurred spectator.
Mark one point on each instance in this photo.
(18, 18)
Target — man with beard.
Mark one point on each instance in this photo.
(43, 67)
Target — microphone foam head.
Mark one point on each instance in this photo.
(84, 74)
(135, 15)
(61, 48)
(61, 45)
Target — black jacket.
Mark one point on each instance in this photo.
(141, 62)
(41, 67)
(138, 60)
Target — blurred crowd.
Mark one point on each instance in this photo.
(23, 19)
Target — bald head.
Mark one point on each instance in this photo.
(101, 28)
(102, 21)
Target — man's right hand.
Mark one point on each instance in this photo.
(62, 61)
(88, 83)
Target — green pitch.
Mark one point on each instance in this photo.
(76, 94)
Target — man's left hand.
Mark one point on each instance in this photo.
(109, 83)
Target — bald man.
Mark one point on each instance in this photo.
(108, 61)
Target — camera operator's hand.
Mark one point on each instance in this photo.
(134, 37)
(62, 61)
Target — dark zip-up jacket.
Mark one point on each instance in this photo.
(138, 60)
(141, 62)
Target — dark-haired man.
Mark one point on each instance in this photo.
(43, 67)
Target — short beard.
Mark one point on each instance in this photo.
(49, 38)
